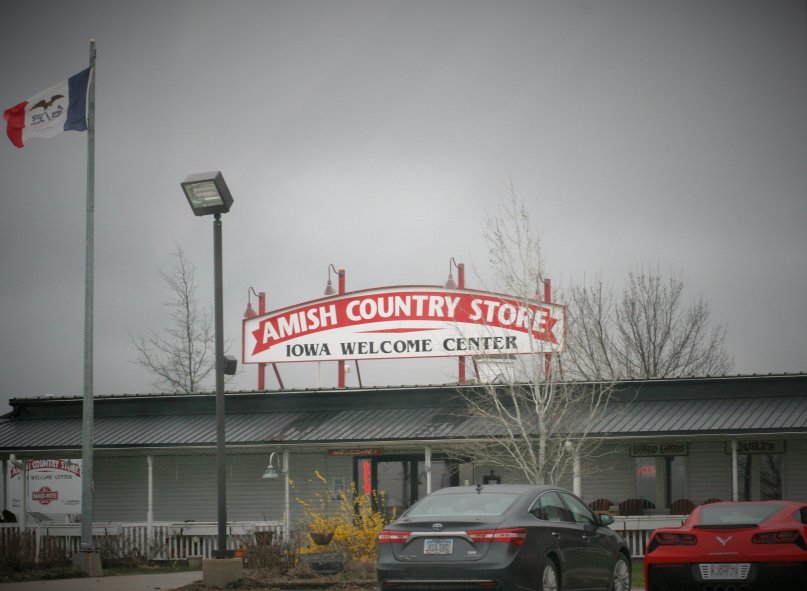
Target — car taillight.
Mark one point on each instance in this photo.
(671, 539)
(386, 536)
(790, 536)
(512, 536)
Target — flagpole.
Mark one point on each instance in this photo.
(87, 418)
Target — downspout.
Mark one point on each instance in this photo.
(150, 507)
(735, 495)
(428, 463)
(286, 507)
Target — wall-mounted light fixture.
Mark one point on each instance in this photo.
(250, 311)
(271, 471)
(458, 284)
(491, 478)
(450, 283)
(329, 288)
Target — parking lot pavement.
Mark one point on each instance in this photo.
(162, 582)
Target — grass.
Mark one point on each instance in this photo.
(67, 572)
(637, 573)
(154, 568)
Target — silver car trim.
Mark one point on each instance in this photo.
(436, 581)
(439, 534)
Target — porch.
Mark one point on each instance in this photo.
(170, 541)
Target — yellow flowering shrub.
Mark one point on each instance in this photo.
(351, 517)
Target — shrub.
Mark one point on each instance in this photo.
(18, 557)
(17, 549)
(120, 551)
(264, 551)
(355, 521)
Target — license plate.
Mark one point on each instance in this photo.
(438, 546)
(725, 571)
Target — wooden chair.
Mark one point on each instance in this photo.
(600, 505)
(634, 507)
(681, 507)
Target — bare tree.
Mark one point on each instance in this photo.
(183, 355)
(539, 425)
(650, 331)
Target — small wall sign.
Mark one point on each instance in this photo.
(658, 449)
(758, 446)
(356, 451)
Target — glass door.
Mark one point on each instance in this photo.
(400, 480)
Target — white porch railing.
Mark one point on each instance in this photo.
(637, 530)
(178, 541)
(160, 541)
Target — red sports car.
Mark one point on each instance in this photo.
(729, 546)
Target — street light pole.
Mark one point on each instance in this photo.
(208, 194)
(220, 433)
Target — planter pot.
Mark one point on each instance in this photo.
(195, 562)
(326, 563)
(321, 538)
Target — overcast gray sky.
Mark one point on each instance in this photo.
(377, 136)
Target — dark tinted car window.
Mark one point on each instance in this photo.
(738, 514)
(549, 507)
(463, 505)
(580, 512)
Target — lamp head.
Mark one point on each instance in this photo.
(271, 471)
(329, 288)
(207, 193)
(450, 283)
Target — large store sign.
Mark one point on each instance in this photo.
(400, 322)
(54, 486)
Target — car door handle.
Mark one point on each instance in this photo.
(585, 537)
(556, 534)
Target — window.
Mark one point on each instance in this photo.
(646, 479)
(738, 514)
(549, 507)
(661, 479)
(580, 512)
(759, 477)
(466, 504)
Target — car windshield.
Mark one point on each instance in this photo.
(463, 505)
(738, 514)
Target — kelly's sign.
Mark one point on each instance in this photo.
(54, 486)
(400, 322)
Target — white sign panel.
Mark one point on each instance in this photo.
(401, 322)
(54, 486)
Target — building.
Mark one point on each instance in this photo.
(667, 440)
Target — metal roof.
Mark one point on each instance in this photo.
(644, 408)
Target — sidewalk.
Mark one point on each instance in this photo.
(163, 582)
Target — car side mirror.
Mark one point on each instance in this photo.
(606, 518)
(803, 512)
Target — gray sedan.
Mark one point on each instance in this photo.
(502, 537)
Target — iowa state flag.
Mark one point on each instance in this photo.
(62, 107)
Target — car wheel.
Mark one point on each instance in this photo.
(549, 577)
(620, 581)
